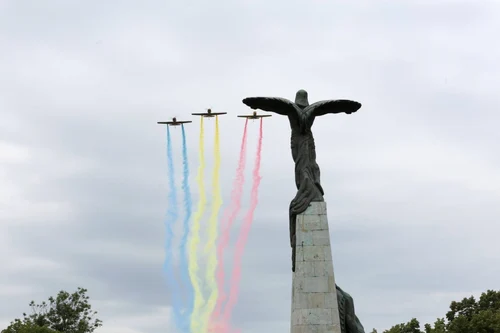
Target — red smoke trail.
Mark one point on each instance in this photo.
(229, 216)
(242, 238)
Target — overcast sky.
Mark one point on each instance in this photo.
(412, 180)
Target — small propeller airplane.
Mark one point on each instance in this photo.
(254, 115)
(209, 114)
(174, 122)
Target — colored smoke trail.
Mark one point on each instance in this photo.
(172, 216)
(229, 216)
(195, 239)
(212, 233)
(188, 204)
(245, 230)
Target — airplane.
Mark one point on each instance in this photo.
(209, 114)
(254, 116)
(174, 122)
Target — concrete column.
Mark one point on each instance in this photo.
(314, 297)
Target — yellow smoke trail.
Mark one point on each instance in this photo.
(210, 248)
(195, 239)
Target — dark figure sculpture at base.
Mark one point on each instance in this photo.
(301, 116)
(349, 322)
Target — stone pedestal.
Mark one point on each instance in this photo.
(314, 297)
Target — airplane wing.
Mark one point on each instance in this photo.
(174, 122)
(211, 114)
(256, 116)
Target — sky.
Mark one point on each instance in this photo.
(412, 180)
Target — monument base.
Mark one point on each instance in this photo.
(314, 295)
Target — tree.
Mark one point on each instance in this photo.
(374, 331)
(67, 313)
(413, 326)
(439, 326)
(18, 326)
(481, 316)
(468, 315)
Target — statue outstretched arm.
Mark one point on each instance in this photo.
(332, 106)
(273, 104)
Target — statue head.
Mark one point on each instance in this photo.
(301, 98)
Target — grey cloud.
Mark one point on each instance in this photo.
(410, 179)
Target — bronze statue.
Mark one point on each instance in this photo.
(301, 116)
(349, 322)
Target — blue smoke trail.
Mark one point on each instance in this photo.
(188, 204)
(172, 216)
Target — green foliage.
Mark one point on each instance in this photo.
(481, 316)
(413, 326)
(439, 326)
(67, 313)
(18, 326)
(466, 316)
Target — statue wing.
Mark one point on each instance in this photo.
(332, 106)
(273, 104)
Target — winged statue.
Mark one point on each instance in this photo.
(301, 115)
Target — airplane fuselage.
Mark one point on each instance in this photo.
(209, 114)
(174, 122)
(255, 116)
